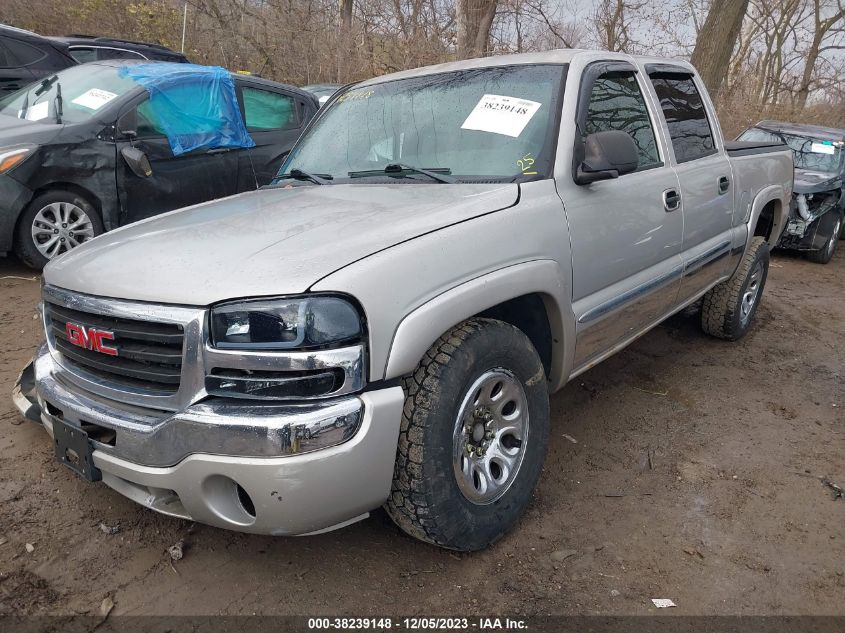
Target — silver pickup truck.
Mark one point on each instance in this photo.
(383, 325)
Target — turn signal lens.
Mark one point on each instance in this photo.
(10, 158)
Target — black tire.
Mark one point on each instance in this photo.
(825, 253)
(25, 245)
(426, 500)
(722, 313)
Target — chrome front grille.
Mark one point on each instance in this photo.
(164, 361)
(148, 354)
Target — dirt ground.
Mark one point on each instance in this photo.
(683, 468)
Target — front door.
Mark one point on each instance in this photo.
(625, 242)
(704, 173)
(176, 181)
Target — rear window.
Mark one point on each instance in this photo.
(686, 118)
(24, 54)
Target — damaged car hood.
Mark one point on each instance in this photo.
(814, 181)
(268, 242)
(14, 131)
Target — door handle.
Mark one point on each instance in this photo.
(671, 200)
(724, 185)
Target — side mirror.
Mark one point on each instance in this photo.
(137, 161)
(608, 154)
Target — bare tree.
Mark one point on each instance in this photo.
(716, 41)
(830, 28)
(475, 19)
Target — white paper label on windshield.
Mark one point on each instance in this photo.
(38, 111)
(822, 148)
(94, 99)
(501, 115)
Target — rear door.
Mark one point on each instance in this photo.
(274, 118)
(625, 243)
(176, 181)
(704, 174)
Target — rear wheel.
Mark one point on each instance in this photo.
(54, 223)
(825, 253)
(729, 307)
(473, 439)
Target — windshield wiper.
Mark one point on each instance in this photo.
(440, 174)
(58, 102)
(298, 174)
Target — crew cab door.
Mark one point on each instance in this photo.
(625, 241)
(274, 119)
(176, 181)
(704, 173)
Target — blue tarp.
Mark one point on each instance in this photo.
(195, 106)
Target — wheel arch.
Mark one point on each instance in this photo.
(74, 188)
(768, 215)
(529, 296)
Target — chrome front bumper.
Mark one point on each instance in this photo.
(268, 469)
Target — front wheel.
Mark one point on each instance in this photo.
(825, 253)
(729, 307)
(52, 224)
(473, 438)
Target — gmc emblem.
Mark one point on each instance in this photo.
(90, 338)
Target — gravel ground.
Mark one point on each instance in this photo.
(683, 468)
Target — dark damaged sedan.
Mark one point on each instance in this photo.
(90, 148)
(817, 214)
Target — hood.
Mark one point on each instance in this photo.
(267, 242)
(14, 131)
(814, 181)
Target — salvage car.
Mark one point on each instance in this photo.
(90, 48)
(26, 56)
(817, 213)
(88, 149)
(323, 92)
(385, 323)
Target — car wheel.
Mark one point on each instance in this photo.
(474, 432)
(825, 253)
(54, 223)
(729, 307)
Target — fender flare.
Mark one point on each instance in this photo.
(773, 193)
(420, 328)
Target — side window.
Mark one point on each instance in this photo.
(6, 59)
(117, 53)
(264, 110)
(147, 122)
(685, 116)
(23, 53)
(616, 103)
(83, 54)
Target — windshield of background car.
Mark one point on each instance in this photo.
(484, 124)
(85, 89)
(807, 152)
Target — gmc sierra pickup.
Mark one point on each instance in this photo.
(442, 249)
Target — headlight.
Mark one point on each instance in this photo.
(11, 157)
(292, 323)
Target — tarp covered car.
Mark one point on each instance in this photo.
(817, 214)
(100, 145)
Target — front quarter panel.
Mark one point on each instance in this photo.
(394, 285)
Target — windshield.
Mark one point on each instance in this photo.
(84, 89)
(484, 124)
(807, 152)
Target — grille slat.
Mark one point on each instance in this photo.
(123, 328)
(149, 354)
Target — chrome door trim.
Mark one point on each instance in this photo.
(630, 296)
